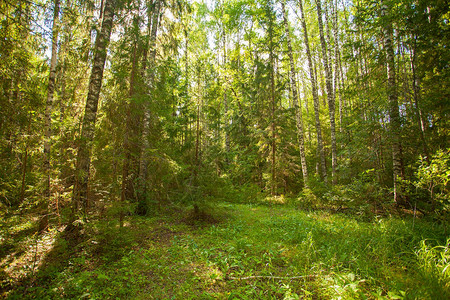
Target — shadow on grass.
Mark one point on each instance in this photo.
(12, 241)
(56, 260)
(237, 241)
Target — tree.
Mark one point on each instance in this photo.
(49, 107)
(295, 99)
(80, 188)
(315, 94)
(131, 135)
(330, 93)
(177, 119)
(143, 164)
(270, 14)
(394, 114)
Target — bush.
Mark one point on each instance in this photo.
(366, 194)
(308, 200)
(433, 178)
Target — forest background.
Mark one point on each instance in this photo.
(118, 108)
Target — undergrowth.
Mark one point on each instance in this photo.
(238, 251)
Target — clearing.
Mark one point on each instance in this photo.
(236, 251)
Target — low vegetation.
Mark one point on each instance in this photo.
(234, 251)
(224, 149)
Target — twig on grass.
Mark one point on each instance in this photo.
(271, 277)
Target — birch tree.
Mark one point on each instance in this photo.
(295, 98)
(315, 94)
(80, 188)
(49, 107)
(394, 114)
(330, 93)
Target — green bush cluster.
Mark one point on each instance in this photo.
(430, 188)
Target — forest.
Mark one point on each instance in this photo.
(224, 149)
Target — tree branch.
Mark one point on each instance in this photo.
(271, 277)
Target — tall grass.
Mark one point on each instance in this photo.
(434, 266)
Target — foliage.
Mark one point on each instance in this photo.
(428, 190)
(364, 197)
(434, 262)
(226, 113)
(196, 110)
(335, 255)
(434, 178)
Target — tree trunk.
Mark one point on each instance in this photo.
(320, 149)
(49, 105)
(24, 164)
(273, 100)
(150, 11)
(197, 134)
(24, 174)
(225, 100)
(198, 142)
(295, 97)
(394, 114)
(330, 94)
(130, 144)
(186, 132)
(337, 56)
(143, 164)
(418, 111)
(80, 189)
(328, 42)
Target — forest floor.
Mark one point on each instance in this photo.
(236, 251)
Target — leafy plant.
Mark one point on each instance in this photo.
(433, 177)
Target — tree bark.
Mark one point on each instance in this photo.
(198, 143)
(295, 97)
(272, 98)
(150, 11)
(80, 189)
(328, 42)
(130, 144)
(49, 109)
(197, 132)
(143, 164)
(320, 149)
(394, 114)
(337, 57)
(330, 94)
(186, 132)
(24, 163)
(225, 99)
(416, 96)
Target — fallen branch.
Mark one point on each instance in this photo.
(271, 277)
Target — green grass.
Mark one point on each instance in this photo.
(332, 256)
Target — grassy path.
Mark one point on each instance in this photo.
(252, 252)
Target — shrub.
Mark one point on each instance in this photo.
(433, 179)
